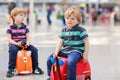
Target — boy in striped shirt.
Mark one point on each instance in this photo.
(73, 42)
(18, 32)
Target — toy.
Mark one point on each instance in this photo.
(59, 70)
(23, 61)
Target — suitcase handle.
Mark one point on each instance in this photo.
(24, 45)
(58, 68)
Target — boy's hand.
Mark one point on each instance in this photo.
(55, 55)
(19, 44)
(85, 57)
(26, 46)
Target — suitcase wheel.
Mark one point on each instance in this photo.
(88, 78)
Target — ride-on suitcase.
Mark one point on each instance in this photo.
(23, 61)
(59, 70)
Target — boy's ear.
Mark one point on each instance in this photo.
(14, 17)
(79, 21)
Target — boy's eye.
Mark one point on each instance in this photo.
(67, 18)
(72, 18)
(21, 14)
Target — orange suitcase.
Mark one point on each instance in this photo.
(23, 62)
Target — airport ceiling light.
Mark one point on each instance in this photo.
(81, 0)
(78, 0)
(103, 1)
(26, 0)
(10, 0)
(93, 0)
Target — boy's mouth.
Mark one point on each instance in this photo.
(69, 23)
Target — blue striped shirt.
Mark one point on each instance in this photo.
(73, 39)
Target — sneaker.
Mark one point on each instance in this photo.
(48, 78)
(71, 79)
(10, 73)
(38, 71)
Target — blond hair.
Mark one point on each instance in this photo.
(75, 11)
(16, 11)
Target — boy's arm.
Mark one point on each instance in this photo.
(27, 39)
(12, 41)
(85, 54)
(58, 47)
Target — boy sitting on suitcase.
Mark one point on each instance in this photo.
(73, 42)
(18, 32)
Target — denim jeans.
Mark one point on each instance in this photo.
(49, 19)
(13, 49)
(72, 59)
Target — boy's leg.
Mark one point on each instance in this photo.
(13, 49)
(49, 64)
(72, 60)
(34, 57)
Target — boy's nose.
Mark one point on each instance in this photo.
(68, 20)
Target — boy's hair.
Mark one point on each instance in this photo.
(15, 11)
(75, 11)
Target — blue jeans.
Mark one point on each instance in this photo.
(49, 19)
(72, 59)
(13, 49)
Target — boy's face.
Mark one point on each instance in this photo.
(71, 21)
(19, 18)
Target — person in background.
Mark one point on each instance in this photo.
(49, 12)
(11, 5)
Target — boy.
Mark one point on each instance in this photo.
(18, 32)
(73, 42)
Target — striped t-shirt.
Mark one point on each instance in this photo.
(73, 39)
(17, 33)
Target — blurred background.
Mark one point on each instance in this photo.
(101, 18)
(95, 12)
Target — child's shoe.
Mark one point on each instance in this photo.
(38, 71)
(10, 73)
(48, 78)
